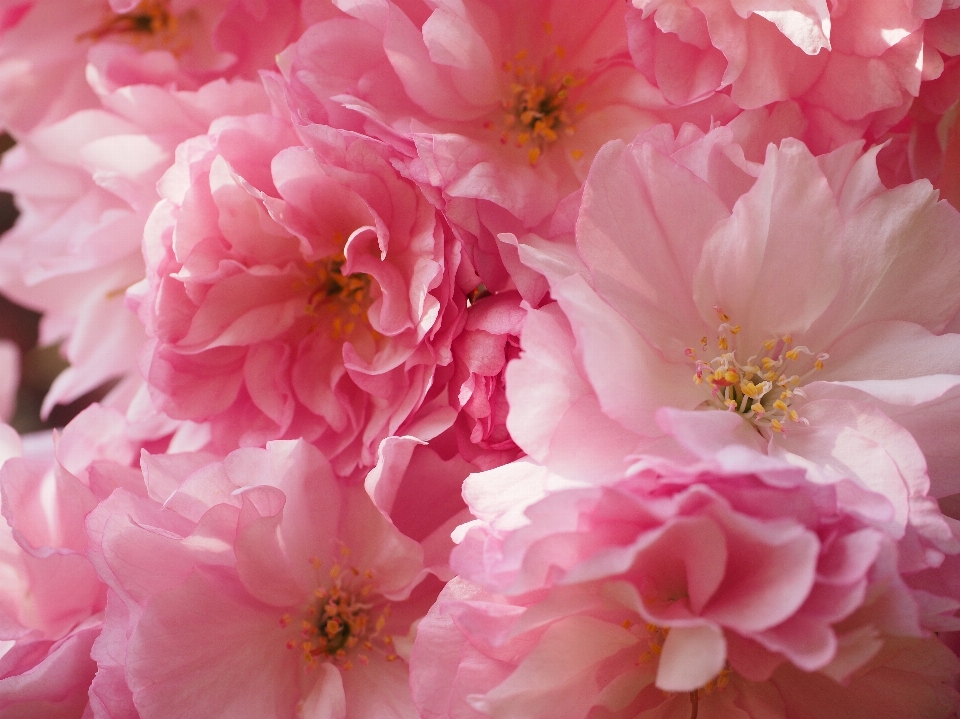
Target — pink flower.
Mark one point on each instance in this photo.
(9, 378)
(51, 600)
(920, 145)
(85, 187)
(809, 302)
(479, 654)
(419, 491)
(855, 65)
(260, 587)
(490, 338)
(46, 47)
(720, 579)
(295, 290)
(501, 110)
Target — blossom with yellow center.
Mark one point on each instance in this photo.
(763, 387)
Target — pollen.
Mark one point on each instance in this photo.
(150, 19)
(340, 617)
(536, 112)
(763, 388)
(342, 299)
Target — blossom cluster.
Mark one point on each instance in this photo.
(471, 359)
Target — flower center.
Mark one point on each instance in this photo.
(149, 19)
(344, 613)
(346, 297)
(763, 387)
(656, 636)
(537, 111)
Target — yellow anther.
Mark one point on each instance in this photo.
(576, 154)
(768, 345)
(781, 405)
(776, 426)
(533, 155)
(787, 339)
(731, 404)
(768, 363)
(731, 376)
(750, 389)
(757, 409)
(793, 354)
(735, 330)
(818, 364)
(722, 344)
(721, 314)
(794, 417)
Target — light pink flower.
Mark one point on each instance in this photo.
(257, 586)
(855, 65)
(810, 302)
(720, 579)
(85, 187)
(500, 109)
(295, 291)
(46, 47)
(51, 599)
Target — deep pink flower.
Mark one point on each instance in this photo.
(719, 579)
(490, 338)
(420, 493)
(295, 290)
(499, 107)
(261, 586)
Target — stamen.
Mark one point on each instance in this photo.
(151, 18)
(342, 299)
(537, 108)
(340, 617)
(748, 387)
